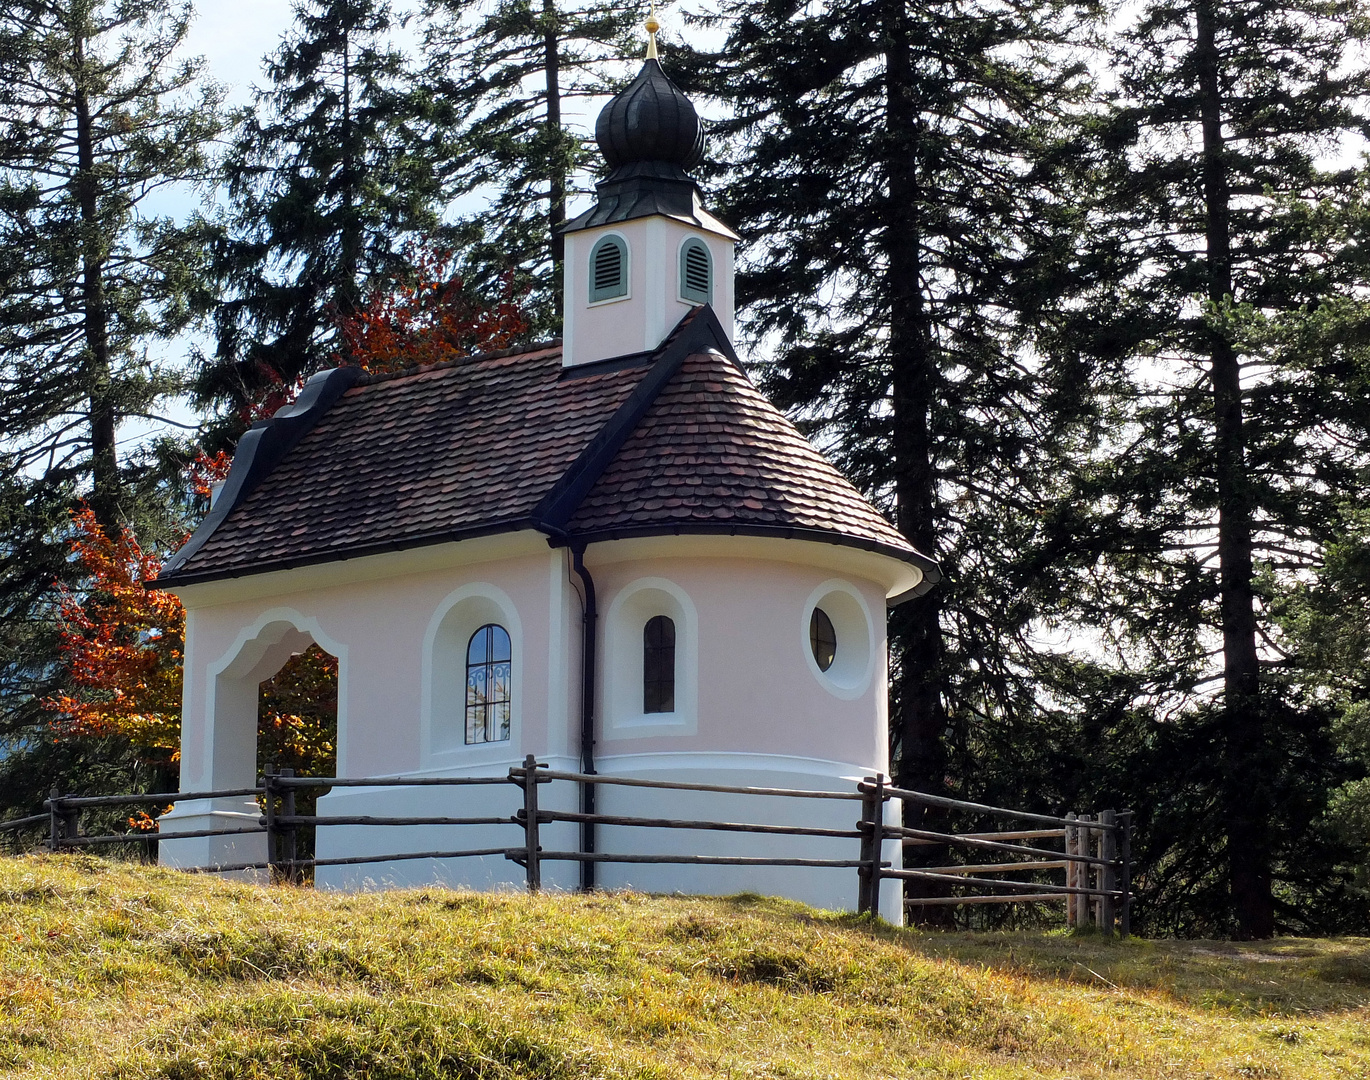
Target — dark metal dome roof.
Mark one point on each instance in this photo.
(651, 120)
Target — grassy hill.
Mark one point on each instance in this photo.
(111, 972)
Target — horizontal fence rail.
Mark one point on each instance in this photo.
(1095, 851)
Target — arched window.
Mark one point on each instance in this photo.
(696, 272)
(608, 269)
(658, 665)
(489, 666)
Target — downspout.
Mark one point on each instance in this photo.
(587, 711)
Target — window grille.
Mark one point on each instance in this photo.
(822, 639)
(658, 665)
(696, 273)
(489, 667)
(608, 269)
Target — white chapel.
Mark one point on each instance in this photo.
(611, 552)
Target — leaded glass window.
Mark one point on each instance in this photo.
(822, 639)
(658, 665)
(489, 665)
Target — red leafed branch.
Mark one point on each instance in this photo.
(206, 470)
(121, 644)
(429, 319)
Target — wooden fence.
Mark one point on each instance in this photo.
(1095, 855)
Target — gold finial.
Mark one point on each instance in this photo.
(652, 27)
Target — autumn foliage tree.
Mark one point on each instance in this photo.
(430, 317)
(121, 644)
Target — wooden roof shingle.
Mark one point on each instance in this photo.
(673, 441)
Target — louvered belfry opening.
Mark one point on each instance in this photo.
(696, 273)
(608, 277)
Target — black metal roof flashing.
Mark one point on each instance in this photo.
(644, 189)
(263, 447)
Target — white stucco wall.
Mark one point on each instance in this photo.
(754, 709)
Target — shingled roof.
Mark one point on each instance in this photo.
(667, 442)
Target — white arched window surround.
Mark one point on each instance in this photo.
(443, 704)
(632, 607)
(683, 291)
(853, 665)
(622, 291)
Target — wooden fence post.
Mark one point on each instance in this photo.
(1125, 884)
(273, 869)
(533, 862)
(1108, 873)
(54, 818)
(289, 833)
(1072, 868)
(872, 828)
(1096, 875)
(1082, 873)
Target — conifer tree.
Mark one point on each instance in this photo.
(1235, 239)
(890, 170)
(99, 115)
(513, 75)
(331, 173)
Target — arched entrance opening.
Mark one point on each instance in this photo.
(273, 698)
(297, 715)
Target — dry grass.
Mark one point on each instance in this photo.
(111, 972)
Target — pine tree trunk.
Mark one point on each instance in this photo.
(1244, 806)
(347, 294)
(919, 721)
(104, 499)
(556, 172)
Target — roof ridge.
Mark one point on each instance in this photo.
(371, 378)
(697, 330)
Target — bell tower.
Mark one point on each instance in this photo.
(647, 251)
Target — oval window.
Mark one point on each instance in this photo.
(822, 639)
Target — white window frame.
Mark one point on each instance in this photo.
(624, 622)
(627, 267)
(853, 666)
(680, 271)
(443, 707)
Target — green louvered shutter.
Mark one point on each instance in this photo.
(608, 269)
(696, 273)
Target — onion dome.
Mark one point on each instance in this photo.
(650, 121)
(650, 135)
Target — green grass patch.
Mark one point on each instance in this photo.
(124, 973)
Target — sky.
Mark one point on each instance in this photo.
(233, 36)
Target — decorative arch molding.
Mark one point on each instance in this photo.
(443, 699)
(257, 653)
(632, 607)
